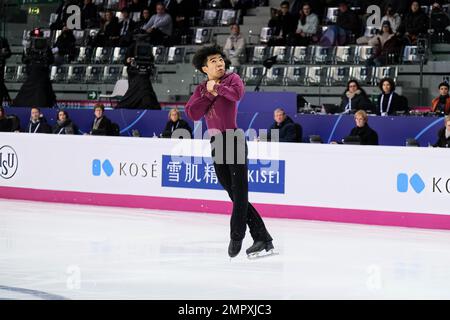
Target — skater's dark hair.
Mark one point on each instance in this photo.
(200, 57)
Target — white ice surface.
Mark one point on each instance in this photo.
(50, 251)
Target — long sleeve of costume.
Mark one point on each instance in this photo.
(199, 104)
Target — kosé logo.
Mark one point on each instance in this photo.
(8, 162)
(415, 181)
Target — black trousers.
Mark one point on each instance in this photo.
(233, 176)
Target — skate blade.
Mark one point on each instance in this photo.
(262, 254)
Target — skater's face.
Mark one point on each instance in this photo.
(443, 90)
(279, 116)
(35, 114)
(215, 67)
(386, 87)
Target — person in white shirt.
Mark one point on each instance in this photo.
(393, 18)
(235, 46)
(159, 26)
(307, 27)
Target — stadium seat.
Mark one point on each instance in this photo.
(275, 76)
(364, 75)
(21, 74)
(80, 37)
(265, 35)
(102, 55)
(410, 54)
(209, 18)
(370, 31)
(227, 17)
(363, 53)
(338, 75)
(118, 55)
(159, 54)
(124, 73)
(296, 75)
(136, 16)
(317, 75)
(58, 73)
(84, 55)
(202, 36)
(385, 72)
(94, 73)
(10, 73)
(260, 53)
(331, 15)
(252, 74)
(112, 73)
(175, 55)
(283, 54)
(321, 54)
(112, 4)
(300, 55)
(76, 74)
(343, 55)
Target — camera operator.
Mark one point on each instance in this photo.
(37, 89)
(139, 60)
(5, 53)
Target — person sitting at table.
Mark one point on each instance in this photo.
(355, 98)
(389, 102)
(444, 135)
(441, 104)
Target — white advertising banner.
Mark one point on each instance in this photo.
(364, 184)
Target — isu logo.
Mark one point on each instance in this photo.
(8, 162)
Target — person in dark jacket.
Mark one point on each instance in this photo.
(440, 21)
(5, 53)
(38, 123)
(441, 104)
(109, 33)
(175, 123)
(414, 23)
(64, 124)
(444, 135)
(127, 27)
(366, 134)
(389, 102)
(285, 126)
(65, 46)
(284, 25)
(101, 126)
(89, 15)
(145, 18)
(8, 123)
(355, 98)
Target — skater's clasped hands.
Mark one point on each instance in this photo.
(210, 87)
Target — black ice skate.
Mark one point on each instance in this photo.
(258, 248)
(234, 248)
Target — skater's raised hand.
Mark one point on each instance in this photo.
(210, 87)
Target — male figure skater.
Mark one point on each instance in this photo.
(216, 100)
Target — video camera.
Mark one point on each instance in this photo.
(38, 50)
(143, 59)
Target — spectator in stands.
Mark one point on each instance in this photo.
(367, 136)
(64, 124)
(175, 123)
(8, 124)
(64, 48)
(145, 18)
(101, 126)
(444, 135)
(355, 98)
(159, 27)
(440, 23)
(414, 23)
(283, 24)
(318, 7)
(234, 47)
(441, 104)
(388, 46)
(346, 28)
(137, 5)
(38, 123)
(89, 15)
(307, 27)
(109, 33)
(126, 26)
(287, 131)
(392, 17)
(389, 102)
(181, 15)
(5, 53)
